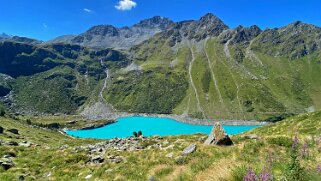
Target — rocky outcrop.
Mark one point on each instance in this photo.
(207, 26)
(294, 41)
(108, 36)
(218, 136)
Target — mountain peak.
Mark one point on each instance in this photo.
(103, 30)
(154, 22)
(4, 35)
(209, 16)
(299, 26)
(210, 20)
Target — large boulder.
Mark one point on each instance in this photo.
(218, 136)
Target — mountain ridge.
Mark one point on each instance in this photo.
(191, 68)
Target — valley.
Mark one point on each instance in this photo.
(138, 102)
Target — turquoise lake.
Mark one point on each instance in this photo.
(124, 127)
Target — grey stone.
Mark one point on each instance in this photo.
(25, 144)
(116, 159)
(97, 159)
(88, 176)
(251, 136)
(218, 136)
(190, 149)
(11, 143)
(151, 178)
(6, 163)
(170, 155)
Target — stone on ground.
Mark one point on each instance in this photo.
(218, 136)
(190, 149)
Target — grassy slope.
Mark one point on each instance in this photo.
(251, 88)
(208, 162)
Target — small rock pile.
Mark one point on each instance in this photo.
(14, 143)
(96, 151)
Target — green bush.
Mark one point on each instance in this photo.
(280, 141)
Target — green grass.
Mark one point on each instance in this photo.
(229, 163)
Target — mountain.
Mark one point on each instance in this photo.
(196, 68)
(4, 36)
(56, 78)
(108, 36)
(215, 72)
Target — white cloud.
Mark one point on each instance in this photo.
(88, 10)
(126, 5)
(45, 25)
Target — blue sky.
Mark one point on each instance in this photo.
(46, 19)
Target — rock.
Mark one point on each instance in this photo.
(190, 149)
(218, 136)
(6, 163)
(13, 131)
(97, 159)
(25, 144)
(170, 155)
(88, 176)
(11, 143)
(21, 177)
(109, 170)
(1, 129)
(10, 155)
(169, 147)
(251, 136)
(71, 122)
(47, 174)
(116, 159)
(151, 178)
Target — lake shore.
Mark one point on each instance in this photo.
(179, 118)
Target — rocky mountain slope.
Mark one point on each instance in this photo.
(197, 68)
(108, 36)
(56, 78)
(231, 73)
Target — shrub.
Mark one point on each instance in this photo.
(294, 170)
(280, 141)
(135, 134)
(140, 133)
